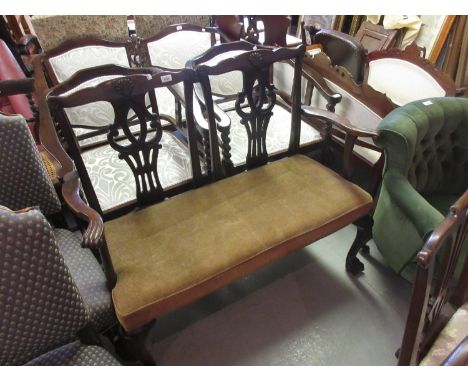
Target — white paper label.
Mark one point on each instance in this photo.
(166, 78)
(179, 27)
(427, 103)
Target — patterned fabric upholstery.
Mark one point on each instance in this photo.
(149, 25)
(75, 354)
(24, 181)
(40, 306)
(66, 64)
(175, 49)
(113, 180)
(450, 337)
(102, 114)
(54, 30)
(88, 277)
(277, 138)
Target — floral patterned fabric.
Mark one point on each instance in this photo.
(68, 63)
(113, 180)
(149, 25)
(54, 30)
(451, 336)
(175, 49)
(277, 138)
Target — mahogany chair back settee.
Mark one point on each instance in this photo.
(170, 252)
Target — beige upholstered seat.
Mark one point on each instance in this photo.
(195, 242)
(453, 334)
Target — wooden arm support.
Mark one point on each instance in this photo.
(352, 132)
(26, 41)
(93, 235)
(320, 84)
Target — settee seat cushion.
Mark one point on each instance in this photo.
(174, 252)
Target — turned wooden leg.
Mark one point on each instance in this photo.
(363, 235)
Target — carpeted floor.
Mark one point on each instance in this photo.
(303, 310)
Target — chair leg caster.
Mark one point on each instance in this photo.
(354, 266)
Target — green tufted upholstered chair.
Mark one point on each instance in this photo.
(426, 170)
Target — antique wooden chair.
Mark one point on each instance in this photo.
(391, 78)
(108, 182)
(41, 310)
(168, 254)
(428, 338)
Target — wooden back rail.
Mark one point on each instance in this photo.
(424, 318)
(101, 71)
(141, 154)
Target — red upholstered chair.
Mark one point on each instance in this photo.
(15, 103)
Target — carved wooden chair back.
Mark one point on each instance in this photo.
(254, 103)
(426, 314)
(139, 146)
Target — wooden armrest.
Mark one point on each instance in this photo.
(341, 122)
(93, 235)
(352, 133)
(222, 119)
(320, 84)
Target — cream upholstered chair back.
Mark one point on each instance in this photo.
(52, 31)
(149, 25)
(175, 49)
(402, 81)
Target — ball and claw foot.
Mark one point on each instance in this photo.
(354, 266)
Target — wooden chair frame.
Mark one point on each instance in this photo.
(57, 103)
(425, 317)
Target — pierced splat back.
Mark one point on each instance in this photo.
(254, 104)
(139, 148)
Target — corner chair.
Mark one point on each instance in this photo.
(436, 331)
(172, 251)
